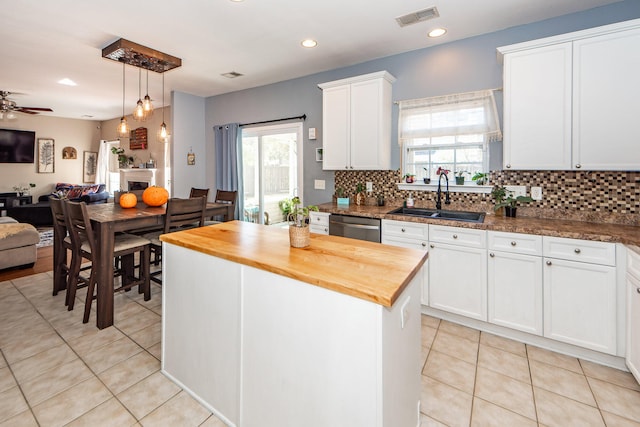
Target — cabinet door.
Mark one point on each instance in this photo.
(515, 291)
(366, 132)
(458, 280)
(633, 326)
(537, 108)
(336, 117)
(607, 101)
(580, 304)
(412, 244)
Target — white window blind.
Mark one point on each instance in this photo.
(450, 131)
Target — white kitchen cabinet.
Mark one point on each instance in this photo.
(356, 122)
(409, 235)
(633, 312)
(580, 300)
(537, 108)
(515, 281)
(458, 271)
(319, 222)
(570, 101)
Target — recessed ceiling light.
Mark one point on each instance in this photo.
(309, 43)
(237, 1)
(67, 82)
(437, 32)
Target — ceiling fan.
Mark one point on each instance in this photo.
(9, 107)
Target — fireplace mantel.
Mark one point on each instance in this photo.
(147, 176)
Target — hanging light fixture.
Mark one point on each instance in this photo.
(138, 111)
(146, 102)
(163, 133)
(123, 126)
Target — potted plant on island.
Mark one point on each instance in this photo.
(480, 178)
(460, 177)
(299, 232)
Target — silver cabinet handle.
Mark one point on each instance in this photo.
(578, 166)
(548, 262)
(432, 246)
(403, 230)
(424, 244)
(638, 290)
(577, 250)
(455, 236)
(326, 229)
(508, 166)
(513, 243)
(492, 254)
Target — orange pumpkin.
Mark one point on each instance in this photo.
(155, 196)
(128, 200)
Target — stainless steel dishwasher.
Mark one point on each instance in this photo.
(355, 227)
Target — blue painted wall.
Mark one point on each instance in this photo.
(461, 66)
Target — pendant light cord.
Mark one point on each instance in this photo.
(123, 64)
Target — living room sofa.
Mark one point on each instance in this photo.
(17, 243)
(39, 214)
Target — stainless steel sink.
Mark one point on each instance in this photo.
(440, 214)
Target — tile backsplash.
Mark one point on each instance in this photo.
(598, 196)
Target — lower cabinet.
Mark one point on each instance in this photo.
(633, 313)
(580, 298)
(458, 271)
(515, 281)
(319, 222)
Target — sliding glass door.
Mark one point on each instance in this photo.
(271, 170)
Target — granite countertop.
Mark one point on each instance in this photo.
(365, 270)
(627, 234)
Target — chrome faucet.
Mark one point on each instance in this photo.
(447, 200)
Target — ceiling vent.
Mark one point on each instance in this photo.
(232, 75)
(419, 16)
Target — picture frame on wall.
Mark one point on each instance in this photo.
(46, 155)
(89, 166)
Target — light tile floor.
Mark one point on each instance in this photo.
(55, 371)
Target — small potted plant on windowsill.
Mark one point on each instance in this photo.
(409, 178)
(299, 232)
(426, 179)
(460, 177)
(480, 178)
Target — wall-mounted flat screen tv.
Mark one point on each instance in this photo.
(17, 146)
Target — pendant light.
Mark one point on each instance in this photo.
(123, 126)
(163, 133)
(146, 102)
(138, 111)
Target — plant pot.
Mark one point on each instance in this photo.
(510, 211)
(459, 180)
(499, 211)
(299, 237)
(481, 182)
(426, 180)
(360, 199)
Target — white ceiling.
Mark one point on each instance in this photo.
(42, 42)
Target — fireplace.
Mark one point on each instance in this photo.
(137, 179)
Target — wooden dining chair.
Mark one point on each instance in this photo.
(227, 197)
(63, 241)
(199, 192)
(83, 246)
(180, 215)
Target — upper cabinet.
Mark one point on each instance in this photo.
(570, 101)
(356, 122)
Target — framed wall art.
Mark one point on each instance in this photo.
(89, 166)
(69, 153)
(46, 155)
(138, 139)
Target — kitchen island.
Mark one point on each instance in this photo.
(268, 335)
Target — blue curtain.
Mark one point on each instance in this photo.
(229, 161)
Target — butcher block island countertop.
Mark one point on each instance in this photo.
(366, 270)
(268, 335)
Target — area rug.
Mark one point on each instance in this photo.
(46, 237)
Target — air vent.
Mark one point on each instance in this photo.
(231, 74)
(419, 16)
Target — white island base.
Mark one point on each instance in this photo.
(261, 349)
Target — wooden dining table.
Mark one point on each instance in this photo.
(109, 218)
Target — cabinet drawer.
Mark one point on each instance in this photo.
(319, 229)
(579, 250)
(633, 261)
(403, 229)
(319, 218)
(516, 243)
(458, 236)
